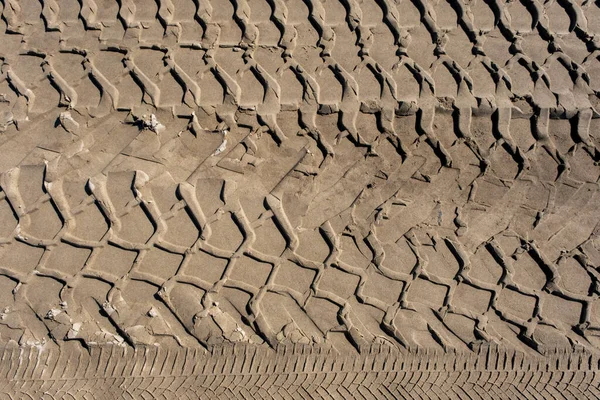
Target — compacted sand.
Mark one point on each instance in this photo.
(299, 199)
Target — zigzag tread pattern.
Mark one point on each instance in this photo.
(412, 176)
(296, 372)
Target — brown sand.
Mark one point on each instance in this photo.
(295, 188)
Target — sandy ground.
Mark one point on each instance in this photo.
(335, 175)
